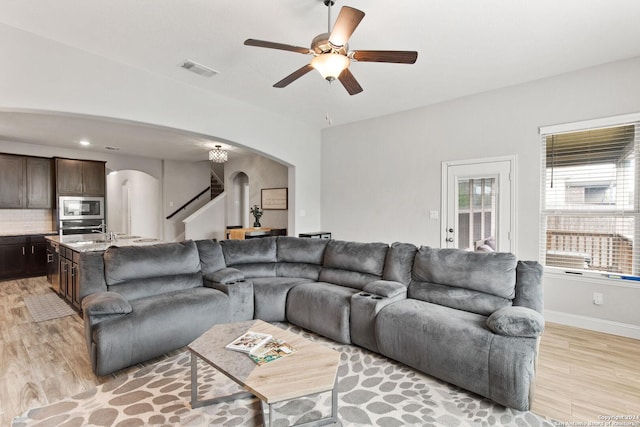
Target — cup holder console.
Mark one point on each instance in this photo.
(364, 294)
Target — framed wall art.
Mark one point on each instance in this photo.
(275, 198)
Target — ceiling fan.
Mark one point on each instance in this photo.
(331, 54)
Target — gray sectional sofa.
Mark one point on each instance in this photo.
(471, 319)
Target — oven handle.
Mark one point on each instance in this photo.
(86, 227)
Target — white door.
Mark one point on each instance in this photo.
(479, 204)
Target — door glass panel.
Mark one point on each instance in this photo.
(477, 205)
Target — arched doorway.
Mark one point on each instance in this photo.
(239, 207)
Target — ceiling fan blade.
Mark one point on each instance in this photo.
(349, 82)
(346, 23)
(395, 56)
(294, 76)
(279, 46)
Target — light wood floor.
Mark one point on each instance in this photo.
(581, 374)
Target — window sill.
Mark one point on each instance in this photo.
(589, 277)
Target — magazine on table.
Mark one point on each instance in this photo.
(271, 350)
(248, 341)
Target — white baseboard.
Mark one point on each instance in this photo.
(593, 324)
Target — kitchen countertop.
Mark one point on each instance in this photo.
(26, 233)
(98, 241)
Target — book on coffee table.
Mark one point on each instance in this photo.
(271, 350)
(248, 341)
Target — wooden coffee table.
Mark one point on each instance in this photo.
(311, 369)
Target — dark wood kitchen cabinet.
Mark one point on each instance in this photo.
(69, 276)
(80, 177)
(12, 181)
(13, 256)
(25, 182)
(39, 183)
(23, 256)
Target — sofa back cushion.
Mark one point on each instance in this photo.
(211, 257)
(250, 251)
(141, 271)
(399, 262)
(301, 250)
(355, 256)
(300, 257)
(298, 269)
(353, 264)
(478, 282)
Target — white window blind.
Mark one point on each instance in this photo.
(590, 219)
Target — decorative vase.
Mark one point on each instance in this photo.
(256, 224)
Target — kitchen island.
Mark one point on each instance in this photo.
(67, 249)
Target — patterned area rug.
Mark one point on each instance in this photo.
(373, 390)
(47, 306)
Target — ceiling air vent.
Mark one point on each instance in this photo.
(111, 148)
(199, 69)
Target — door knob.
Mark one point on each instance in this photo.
(450, 230)
(449, 239)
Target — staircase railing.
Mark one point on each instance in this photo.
(196, 197)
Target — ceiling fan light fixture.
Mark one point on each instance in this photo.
(218, 155)
(330, 65)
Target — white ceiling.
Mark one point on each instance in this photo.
(465, 47)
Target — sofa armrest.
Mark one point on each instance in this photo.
(387, 289)
(240, 293)
(105, 303)
(516, 322)
(225, 276)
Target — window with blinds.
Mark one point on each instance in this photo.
(590, 219)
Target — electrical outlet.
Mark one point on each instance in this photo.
(598, 298)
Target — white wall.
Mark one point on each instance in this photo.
(47, 76)
(208, 222)
(182, 182)
(381, 177)
(144, 200)
(262, 173)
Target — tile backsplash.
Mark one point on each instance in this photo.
(25, 221)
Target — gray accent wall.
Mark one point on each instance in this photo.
(381, 177)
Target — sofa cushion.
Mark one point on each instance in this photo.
(323, 308)
(211, 257)
(365, 258)
(516, 322)
(250, 251)
(295, 249)
(458, 298)
(399, 262)
(270, 297)
(449, 344)
(261, 269)
(127, 263)
(156, 325)
(491, 273)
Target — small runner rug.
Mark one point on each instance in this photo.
(47, 306)
(373, 391)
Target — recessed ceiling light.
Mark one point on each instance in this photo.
(84, 142)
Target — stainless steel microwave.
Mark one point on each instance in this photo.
(71, 207)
